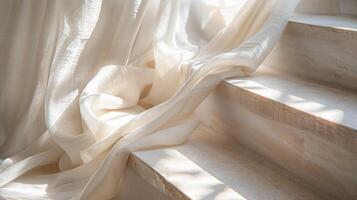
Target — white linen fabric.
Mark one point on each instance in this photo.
(85, 82)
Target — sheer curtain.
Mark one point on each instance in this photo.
(85, 82)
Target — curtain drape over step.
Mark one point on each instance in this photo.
(85, 82)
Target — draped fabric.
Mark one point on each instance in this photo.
(85, 82)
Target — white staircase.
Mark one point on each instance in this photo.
(308, 128)
(288, 131)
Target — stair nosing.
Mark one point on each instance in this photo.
(296, 20)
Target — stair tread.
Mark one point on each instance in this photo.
(212, 166)
(342, 22)
(338, 106)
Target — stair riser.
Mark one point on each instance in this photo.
(320, 53)
(319, 6)
(255, 123)
(331, 7)
(349, 7)
(143, 190)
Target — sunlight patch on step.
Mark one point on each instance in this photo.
(282, 95)
(187, 176)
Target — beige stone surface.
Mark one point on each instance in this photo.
(319, 6)
(136, 188)
(213, 166)
(319, 47)
(330, 7)
(330, 113)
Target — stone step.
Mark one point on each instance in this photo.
(212, 166)
(308, 128)
(320, 47)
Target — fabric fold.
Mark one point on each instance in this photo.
(114, 77)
